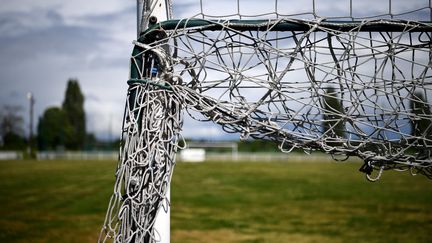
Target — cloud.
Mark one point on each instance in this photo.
(44, 43)
(18, 23)
(69, 9)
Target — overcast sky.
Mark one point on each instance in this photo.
(44, 43)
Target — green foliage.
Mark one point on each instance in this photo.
(333, 110)
(11, 128)
(64, 127)
(257, 146)
(73, 106)
(53, 129)
(421, 123)
(13, 141)
(92, 143)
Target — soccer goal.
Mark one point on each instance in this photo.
(349, 78)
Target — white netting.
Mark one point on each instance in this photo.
(344, 92)
(419, 10)
(151, 128)
(346, 88)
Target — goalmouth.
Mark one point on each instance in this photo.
(348, 85)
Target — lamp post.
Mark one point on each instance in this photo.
(31, 99)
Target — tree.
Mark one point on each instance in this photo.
(421, 120)
(333, 125)
(53, 129)
(11, 128)
(73, 106)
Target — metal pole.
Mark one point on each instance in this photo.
(163, 220)
(30, 142)
(140, 8)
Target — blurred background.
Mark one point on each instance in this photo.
(63, 72)
(58, 54)
(46, 44)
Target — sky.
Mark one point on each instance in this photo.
(44, 43)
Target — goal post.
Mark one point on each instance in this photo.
(348, 84)
(138, 210)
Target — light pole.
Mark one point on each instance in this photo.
(31, 99)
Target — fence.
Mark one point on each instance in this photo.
(209, 156)
(10, 155)
(78, 155)
(270, 157)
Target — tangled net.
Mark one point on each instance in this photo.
(342, 88)
(345, 88)
(151, 127)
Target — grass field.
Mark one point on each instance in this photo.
(65, 201)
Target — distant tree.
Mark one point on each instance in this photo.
(333, 126)
(53, 129)
(257, 146)
(11, 128)
(12, 141)
(73, 106)
(91, 142)
(421, 121)
(11, 121)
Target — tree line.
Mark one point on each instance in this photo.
(64, 127)
(334, 126)
(58, 128)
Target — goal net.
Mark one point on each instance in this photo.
(322, 76)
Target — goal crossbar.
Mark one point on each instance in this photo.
(293, 25)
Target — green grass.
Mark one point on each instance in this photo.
(53, 201)
(65, 201)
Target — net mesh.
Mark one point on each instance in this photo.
(343, 92)
(353, 88)
(150, 136)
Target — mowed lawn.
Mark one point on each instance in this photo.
(65, 201)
